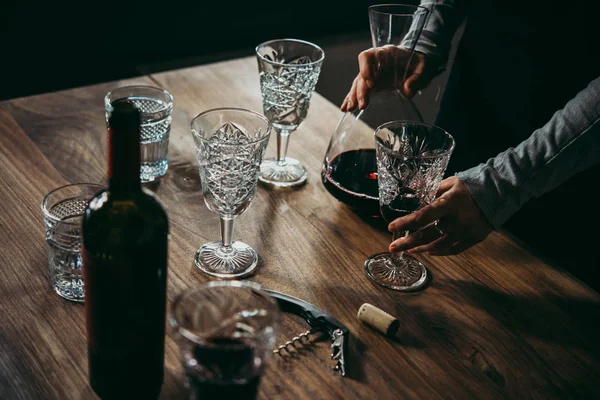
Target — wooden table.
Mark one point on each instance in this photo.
(495, 322)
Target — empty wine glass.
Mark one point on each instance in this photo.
(411, 160)
(289, 70)
(230, 144)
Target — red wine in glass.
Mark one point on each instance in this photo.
(351, 177)
(405, 203)
(227, 371)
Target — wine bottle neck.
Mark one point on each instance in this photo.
(124, 160)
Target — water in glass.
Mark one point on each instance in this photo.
(63, 209)
(154, 139)
(156, 106)
(64, 257)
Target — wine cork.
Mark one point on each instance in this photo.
(378, 319)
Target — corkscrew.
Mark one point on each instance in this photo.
(319, 320)
(296, 341)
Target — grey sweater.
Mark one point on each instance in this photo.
(565, 145)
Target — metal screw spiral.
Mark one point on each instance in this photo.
(292, 344)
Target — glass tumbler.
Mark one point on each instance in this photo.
(156, 106)
(226, 333)
(63, 208)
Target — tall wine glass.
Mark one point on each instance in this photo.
(411, 160)
(289, 70)
(230, 144)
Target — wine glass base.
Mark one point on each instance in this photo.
(236, 262)
(274, 174)
(407, 276)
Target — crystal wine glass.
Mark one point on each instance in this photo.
(289, 70)
(230, 144)
(411, 160)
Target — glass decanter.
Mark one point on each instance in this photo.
(349, 170)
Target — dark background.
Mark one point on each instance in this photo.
(49, 46)
(55, 45)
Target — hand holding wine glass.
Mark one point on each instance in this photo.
(411, 160)
(448, 226)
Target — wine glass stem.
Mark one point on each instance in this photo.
(227, 224)
(283, 139)
(397, 257)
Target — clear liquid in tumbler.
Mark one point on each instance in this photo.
(154, 136)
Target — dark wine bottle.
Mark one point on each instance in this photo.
(124, 247)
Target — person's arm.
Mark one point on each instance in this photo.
(566, 145)
(445, 16)
(473, 202)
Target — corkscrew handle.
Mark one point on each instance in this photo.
(315, 316)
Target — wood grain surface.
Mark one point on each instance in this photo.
(494, 322)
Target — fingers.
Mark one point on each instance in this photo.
(423, 217)
(446, 185)
(460, 221)
(440, 245)
(351, 101)
(421, 71)
(416, 240)
(367, 65)
(362, 94)
(456, 248)
(358, 96)
(429, 241)
(411, 85)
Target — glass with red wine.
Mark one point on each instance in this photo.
(226, 332)
(411, 160)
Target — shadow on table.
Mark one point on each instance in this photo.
(376, 223)
(354, 354)
(174, 386)
(270, 215)
(185, 176)
(528, 326)
(152, 186)
(568, 321)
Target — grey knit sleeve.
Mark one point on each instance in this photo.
(567, 144)
(444, 19)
